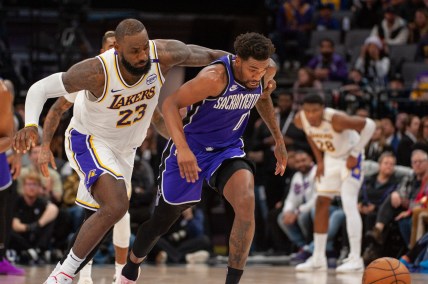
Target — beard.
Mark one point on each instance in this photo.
(136, 71)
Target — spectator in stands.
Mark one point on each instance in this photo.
(419, 28)
(396, 206)
(328, 65)
(420, 87)
(392, 136)
(393, 29)
(376, 189)
(409, 138)
(362, 112)
(377, 144)
(373, 62)
(293, 23)
(52, 185)
(306, 83)
(295, 218)
(367, 14)
(420, 212)
(325, 20)
(422, 138)
(422, 50)
(33, 220)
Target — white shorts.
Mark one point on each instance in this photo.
(336, 173)
(91, 158)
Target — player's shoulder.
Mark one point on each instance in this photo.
(215, 73)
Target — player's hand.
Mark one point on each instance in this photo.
(188, 165)
(15, 165)
(281, 158)
(270, 87)
(25, 138)
(45, 157)
(351, 162)
(320, 171)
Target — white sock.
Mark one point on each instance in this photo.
(355, 247)
(320, 242)
(86, 271)
(71, 264)
(118, 269)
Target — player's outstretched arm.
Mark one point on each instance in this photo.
(208, 83)
(86, 75)
(176, 53)
(6, 121)
(50, 125)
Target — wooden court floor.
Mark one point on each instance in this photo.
(203, 274)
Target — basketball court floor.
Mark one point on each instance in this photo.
(204, 274)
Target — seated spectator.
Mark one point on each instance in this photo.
(377, 144)
(186, 240)
(367, 14)
(295, 218)
(325, 19)
(328, 65)
(408, 140)
(420, 212)
(306, 84)
(420, 87)
(393, 29)
(376, 189)
(422, 50)
(422, 138)
(416, 259)
(76, 212)
(396, 206)
(419, 28)
(33, 221)
(293, 23)
(52, 185)
(392, 136)
(373, 62)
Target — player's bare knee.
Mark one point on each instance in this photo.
(322, 203)
(244, 204)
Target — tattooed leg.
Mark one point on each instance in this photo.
(239, 191)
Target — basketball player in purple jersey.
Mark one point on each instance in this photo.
(207, 145)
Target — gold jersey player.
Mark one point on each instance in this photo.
(342, 139)
(109, 122)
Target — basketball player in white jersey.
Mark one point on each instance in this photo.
(341, 138)
(121, 230)
(110, 121)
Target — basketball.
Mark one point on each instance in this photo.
(386, 270)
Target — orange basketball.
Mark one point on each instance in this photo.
(386, 270)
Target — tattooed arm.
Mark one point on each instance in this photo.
(49, 128)
(266, 110)
(6, 118)
(176, 53)
(159, 123)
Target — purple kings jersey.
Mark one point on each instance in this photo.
(5, 176)
(220, 122)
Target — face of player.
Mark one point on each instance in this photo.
(250, 72)
(134, 53)
(313, 113)
(109, 44)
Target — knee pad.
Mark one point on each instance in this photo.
(122, 232)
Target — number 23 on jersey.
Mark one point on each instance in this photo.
(131, 116)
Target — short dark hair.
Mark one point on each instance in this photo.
(107, 35)
(253, 45)
(329, 40)
(313, 99)
(128, 27)
(386, 154)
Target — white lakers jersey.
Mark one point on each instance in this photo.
(122, 115)
(332, 143)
